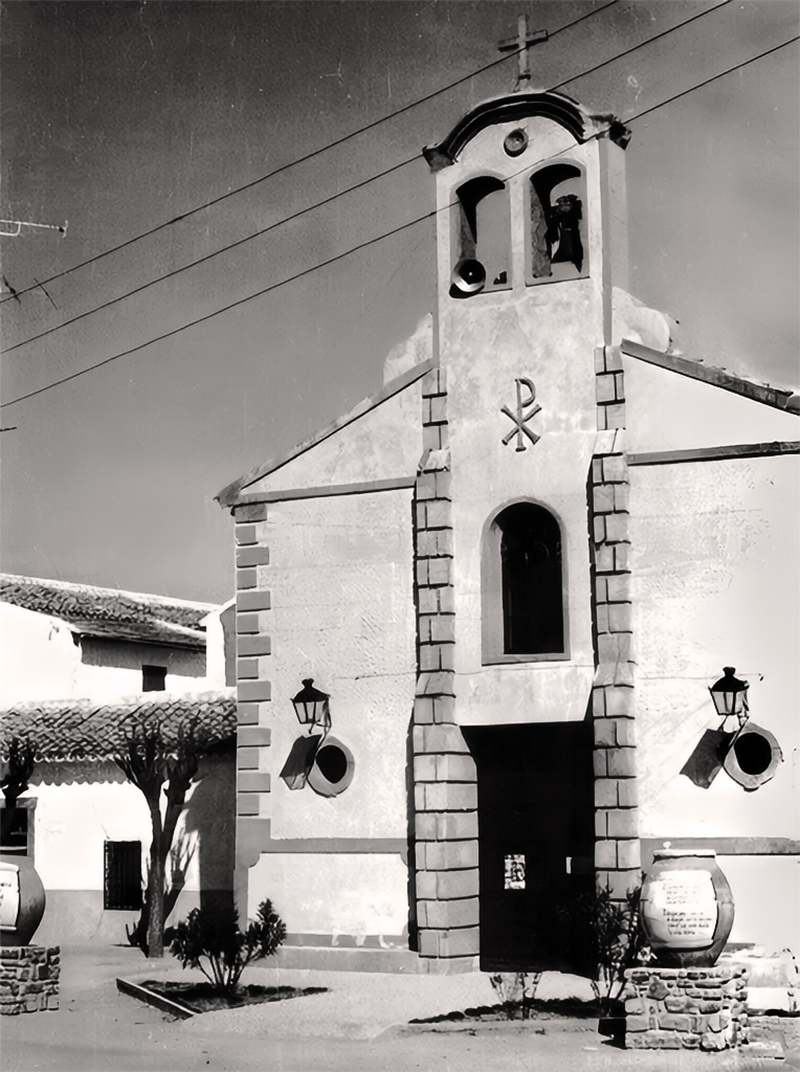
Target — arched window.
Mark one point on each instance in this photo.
(483, 229)
(523, 586)
(558, 248)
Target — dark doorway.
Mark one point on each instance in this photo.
(536, 830)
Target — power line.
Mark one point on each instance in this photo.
(649, 41)
(209, 256)
(224, 309)
(328, 200)
(369, 242)
(309, 156)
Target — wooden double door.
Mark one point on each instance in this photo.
(536, 836)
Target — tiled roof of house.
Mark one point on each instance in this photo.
(85, 729)
(108, 612)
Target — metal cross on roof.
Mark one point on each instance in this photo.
(524, 39)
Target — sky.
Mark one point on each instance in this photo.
(119, 117)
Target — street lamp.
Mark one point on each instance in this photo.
(730, 695)
(311, 706)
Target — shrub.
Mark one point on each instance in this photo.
(516, 990)
(609, 937)
(216, 936)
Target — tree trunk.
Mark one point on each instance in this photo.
(155, 924)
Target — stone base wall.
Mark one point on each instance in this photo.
(29, 978)
(685, 1008)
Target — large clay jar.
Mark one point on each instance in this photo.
(686, 908)
(22, 900)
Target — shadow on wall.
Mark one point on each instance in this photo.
(211, 817)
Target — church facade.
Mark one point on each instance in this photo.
(500, 589)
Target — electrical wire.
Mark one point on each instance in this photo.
(327, 200)
(308, 156)
(369, 242)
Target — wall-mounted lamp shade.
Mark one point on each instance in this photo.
(729, 694)
(300, 761)
(311, 705)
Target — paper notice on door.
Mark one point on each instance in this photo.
(515, 872)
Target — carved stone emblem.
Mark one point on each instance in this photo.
(521, 417)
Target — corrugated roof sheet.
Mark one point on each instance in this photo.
(110, 612)
(85, 729)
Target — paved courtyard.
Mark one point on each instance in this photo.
(359, 1024)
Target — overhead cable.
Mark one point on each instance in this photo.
(325, 201)
(369, 242)
(308, 156)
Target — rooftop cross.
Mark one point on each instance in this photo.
(521, 43)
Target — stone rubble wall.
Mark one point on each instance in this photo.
(29, 978)
(685, 1008)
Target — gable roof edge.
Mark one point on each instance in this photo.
(230, 495)
(776, 397)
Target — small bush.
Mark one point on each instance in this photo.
(216, 937)
(516, 990)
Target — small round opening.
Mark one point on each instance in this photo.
(753, 753)
(332, 762)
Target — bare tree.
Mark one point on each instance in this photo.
(162, 766)
(20, 761)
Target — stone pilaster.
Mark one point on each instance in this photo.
(254, 688)
(617, 852)
(445, 781)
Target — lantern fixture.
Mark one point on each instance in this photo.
(311, 706)
(730, 695)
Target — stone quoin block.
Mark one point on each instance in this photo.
(425, 768)
(457, 913)
(250, 557)
(434, 436)
(605, 732)
(621, 762)
(447, 855)
(250, 512)
(252, 623)
(253, 782)
(614, 415)
(444, 738)
(254, 691)
(455, 825)
(254, 736)
(247, 758)
(246, 602)
(455, 885)
(616, 527)
(455, 768)
(253, 644)
(620, 617)
(448, 796)
(605, 855)
(245, 534)
(248, 714)
(247, 804)
(605, 388)
(246, 578)
(605, 792)
(629, 854)
(247, 668)
(437, 514)
(603, 498)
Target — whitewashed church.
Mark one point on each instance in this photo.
(512, 576)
